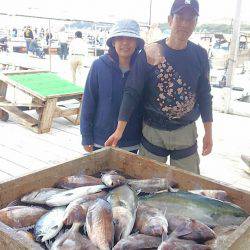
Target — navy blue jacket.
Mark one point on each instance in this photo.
(101, 104)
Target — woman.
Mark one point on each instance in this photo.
(104, 90)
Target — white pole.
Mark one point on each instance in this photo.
(49, 47)
(233, 52)
(150, 13)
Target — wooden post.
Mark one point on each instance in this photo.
(47, 115)
(234, 47)
(3, 89)
(4, 116)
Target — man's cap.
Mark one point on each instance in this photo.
(128, 28)
(179, 5)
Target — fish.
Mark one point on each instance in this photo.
(199, 232)
(216, 194)
(77, 209)
(25, 234)
(138, 241)
(40, 196)
(21, 216)
(173, 242)
(90, 197)
(99, 225)
(113, 179)
(209, 211)
(64, 198)
(76, 212)
(72, 239)
(49, 225)
(123, 201)
(178, 244)
(76, 181)
(150, 221)
(152, 185)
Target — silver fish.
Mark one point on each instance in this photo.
(72, 239)
(76, 181)
(99, 225)
(173, 242)
(76, 212)
(124, 205)
(21, 216)
(64, 198)
(113, 179)
(199, 232)
(150, 221)
(209, 211)
(138, 241)
(49, 225)
(152, 185)
(40, 196)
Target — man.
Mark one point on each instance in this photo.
(63, 43)
(78, 50)
(173, 77)
(28, 35)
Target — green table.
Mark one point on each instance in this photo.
(46, 90)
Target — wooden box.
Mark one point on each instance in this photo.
(130, 164)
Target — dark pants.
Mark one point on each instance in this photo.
(63, 51)
(28, 41)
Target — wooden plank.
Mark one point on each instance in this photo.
(3, 89)
(21, 159)
(65, 95)
(47, 114)
(65, 112)
(77, 122)
(12, 169)
(4, 176)
(34, 146)
(10, 104)
(74, 120)
(239, 239)
(21, 116)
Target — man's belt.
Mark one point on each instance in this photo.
(174, 154)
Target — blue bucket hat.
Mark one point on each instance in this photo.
(128, 28)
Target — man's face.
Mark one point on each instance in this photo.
(182, 24)
(125, 46)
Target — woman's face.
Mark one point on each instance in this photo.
(125, 46)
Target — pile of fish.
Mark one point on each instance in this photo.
(112, 212)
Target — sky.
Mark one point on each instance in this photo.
(112, 10)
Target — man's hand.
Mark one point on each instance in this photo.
(117, 135)
(88, 148)
(113, 139)
(207, 139)
(207, 145)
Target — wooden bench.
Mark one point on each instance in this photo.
(47, 90)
